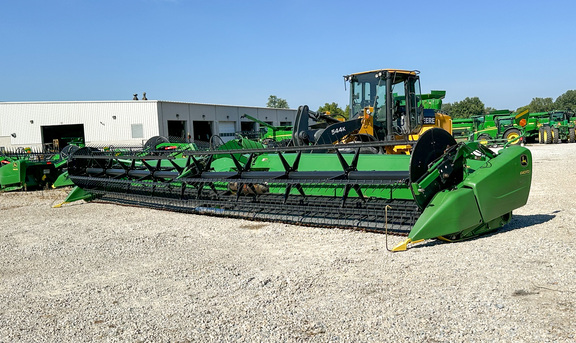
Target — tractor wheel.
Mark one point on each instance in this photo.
(571, 135)
(484, 139)
(513, 135)
(541, 139)
(556, 136)
(547, 135)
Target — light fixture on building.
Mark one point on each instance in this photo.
(114, 117)
(203, 116)
(227, 117)
(177, 115)
(13, 135)
(31, 121)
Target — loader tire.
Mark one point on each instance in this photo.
(541, 135)
(571, 135)
(513, 135)
(556, 136)
(547, 135)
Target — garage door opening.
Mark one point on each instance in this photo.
(56, 137)
(227, 130)
(177, 130)
(202, 130)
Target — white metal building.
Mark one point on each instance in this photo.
(34, 124)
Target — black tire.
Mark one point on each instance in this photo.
(513, 134)
(556, 136)
(547, 135)
(153, 142)
(541, 135)
(571, 135)
(484, 137)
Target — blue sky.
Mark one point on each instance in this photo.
(240, 52)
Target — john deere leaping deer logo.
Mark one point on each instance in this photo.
(524, 160)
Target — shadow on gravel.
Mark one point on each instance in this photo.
(521, 221)
(517, 222)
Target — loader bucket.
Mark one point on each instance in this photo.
(444, 189)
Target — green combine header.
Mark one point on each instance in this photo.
(389, 168)
(443, 190)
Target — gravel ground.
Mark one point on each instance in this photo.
(101, 272)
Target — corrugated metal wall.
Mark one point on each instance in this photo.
(104, 121)
(122, 122)
(217, 114)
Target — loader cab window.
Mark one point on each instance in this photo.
(368, 90)
(362, 96)
(415, 112)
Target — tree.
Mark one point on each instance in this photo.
(489, 109)
(275, 102)
(541, 105)
(566, 101)
(333, 109)
(466, 108)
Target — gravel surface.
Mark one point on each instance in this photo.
(101, 272)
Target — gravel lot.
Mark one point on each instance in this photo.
(100, 272)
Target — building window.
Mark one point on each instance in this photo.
(137, 131)
(285, 123)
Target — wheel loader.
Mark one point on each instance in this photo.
(385, 105)
(339, 175)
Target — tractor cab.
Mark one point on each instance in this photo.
(391, 96)
(478, 123)
(561, 116)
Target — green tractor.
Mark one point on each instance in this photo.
(558, 127)
(462, 128)
(502, 126)
(533, 123)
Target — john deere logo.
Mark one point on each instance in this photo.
(524, 160)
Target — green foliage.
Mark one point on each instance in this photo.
(489, 109)
(466, 108)
(541, 105)
(275, 102)
(446, 107)
(566, 101)
(334, 110)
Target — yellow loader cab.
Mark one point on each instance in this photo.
(390, 103)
